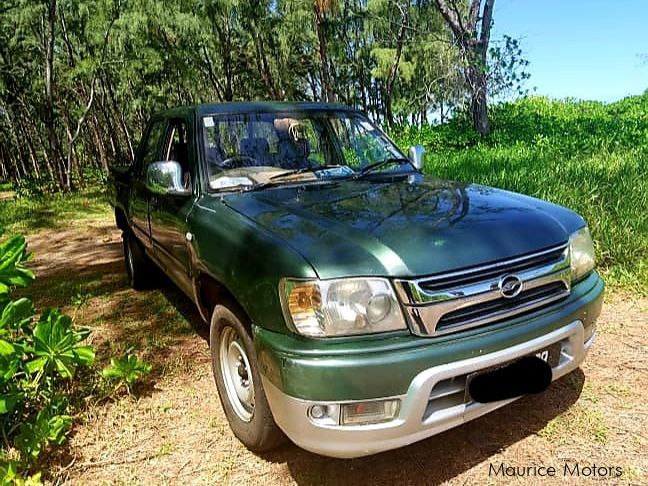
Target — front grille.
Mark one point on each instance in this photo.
(459, 300)
(494, 270)
(547, 293)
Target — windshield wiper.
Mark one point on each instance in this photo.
(302, 170)
(377, 165)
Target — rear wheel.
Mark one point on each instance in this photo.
(139, 267)
(235, 369)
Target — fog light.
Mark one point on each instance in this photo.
(321, 414)
(360, 413)
(318, 411)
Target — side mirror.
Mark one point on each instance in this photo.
(417, 156)
(165, 177)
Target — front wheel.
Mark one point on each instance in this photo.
(235, 369)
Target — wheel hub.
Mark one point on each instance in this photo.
(237, 374)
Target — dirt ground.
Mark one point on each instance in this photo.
(174, 431)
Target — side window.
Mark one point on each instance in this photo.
(360, 143)
(176, 147)
(151, 152)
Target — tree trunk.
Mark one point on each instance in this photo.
(475, 47)
(479, 96)
(98, 138)
(19, 156)
(52, 139)
(393, 69)
(211, 74)
(30, 147)
(478, 99)
(327, 88)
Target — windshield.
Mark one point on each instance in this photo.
(271, 148)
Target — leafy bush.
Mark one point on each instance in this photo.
(10, 474)
(37, 361)
(588, 156)
(38, 187)
(126, 371)
(32, 187)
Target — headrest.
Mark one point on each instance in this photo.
(290, 128)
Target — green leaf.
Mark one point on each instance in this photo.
(36, 365)
(8, 366)
(13, 252)
(16, 314)
(8, 401)
(58, 425)
(85, 355)
(127, 369)
(46, 427)
(56, 344)
(6, 348)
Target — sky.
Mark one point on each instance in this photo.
(586, 49)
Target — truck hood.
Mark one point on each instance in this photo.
(405, 227)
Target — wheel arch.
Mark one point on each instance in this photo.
(209, 292)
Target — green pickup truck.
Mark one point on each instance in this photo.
(355, 305)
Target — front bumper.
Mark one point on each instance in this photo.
(435, 401)
(427, 374)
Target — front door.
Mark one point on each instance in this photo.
(140, 195)
(168, 213)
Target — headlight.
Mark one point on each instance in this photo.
(324, 308)
(582, 253)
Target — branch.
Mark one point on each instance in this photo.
(72, 138)
(453, 5)
(451, 18)
(486, 23)
(473, 14)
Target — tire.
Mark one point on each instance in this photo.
(139, 267)
(236, 372)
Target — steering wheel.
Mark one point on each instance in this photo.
(245, 161)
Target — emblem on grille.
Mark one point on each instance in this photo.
(510, 286)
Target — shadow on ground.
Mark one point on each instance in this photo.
(84, 274)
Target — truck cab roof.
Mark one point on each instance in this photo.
(206, 109)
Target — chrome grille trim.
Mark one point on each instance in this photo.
(425, 308)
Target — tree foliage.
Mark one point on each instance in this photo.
(79, 79)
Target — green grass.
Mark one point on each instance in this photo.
(587, 156)
(29, 214)
(580, 421)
